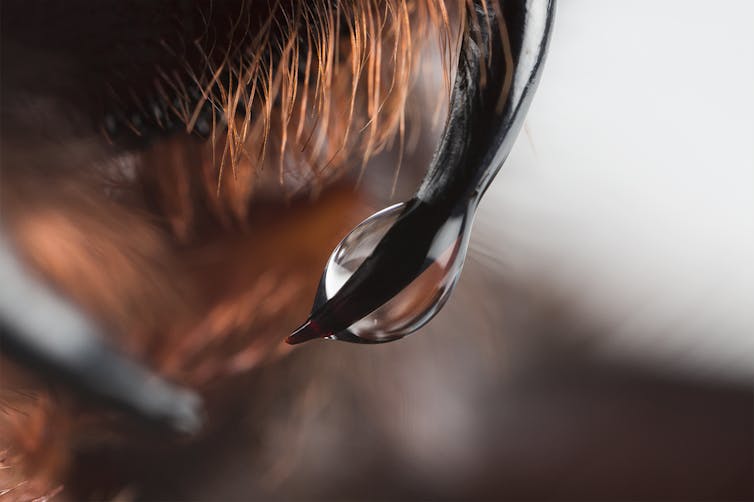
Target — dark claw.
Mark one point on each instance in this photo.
(506, 55)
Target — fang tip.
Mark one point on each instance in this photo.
(308, 331)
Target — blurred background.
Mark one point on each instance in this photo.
(600, 344)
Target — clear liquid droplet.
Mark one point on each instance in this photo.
(420, 300)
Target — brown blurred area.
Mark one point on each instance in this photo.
(489, 403)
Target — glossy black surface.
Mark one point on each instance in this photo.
(499, 66)
(489, 101)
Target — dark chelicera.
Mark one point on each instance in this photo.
(499, 67)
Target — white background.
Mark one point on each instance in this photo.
(631, 191)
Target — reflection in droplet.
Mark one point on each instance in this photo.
(418, 302)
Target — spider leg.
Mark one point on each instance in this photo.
(44, 330)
